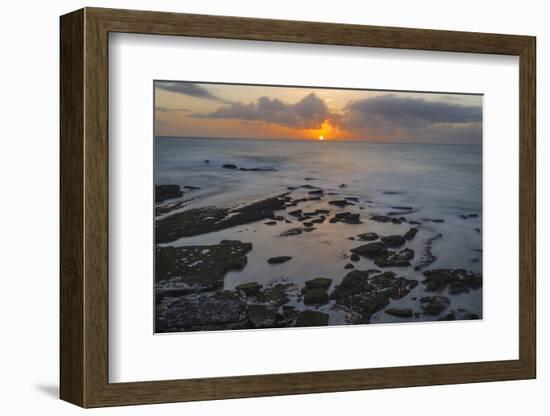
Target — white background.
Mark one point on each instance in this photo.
(135, 355)
(29, 218)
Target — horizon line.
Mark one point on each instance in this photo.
(311, 140)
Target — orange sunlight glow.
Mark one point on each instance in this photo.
(322, 132)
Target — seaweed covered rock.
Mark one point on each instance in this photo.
(319, 282)
(249, 288)
(315, 296)
(312, 318)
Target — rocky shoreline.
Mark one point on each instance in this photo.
(190, 294)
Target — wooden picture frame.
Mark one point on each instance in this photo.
(84, 207)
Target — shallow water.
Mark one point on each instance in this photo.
(438, 181)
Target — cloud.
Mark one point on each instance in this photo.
(402, 118)
(188, 88)
(308, 113)
(172, 110)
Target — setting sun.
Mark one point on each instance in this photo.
(321, 138)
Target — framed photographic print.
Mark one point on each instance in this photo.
(261, 207)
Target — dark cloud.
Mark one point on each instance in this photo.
(308, 113)
(406, 118)
(407, 111)
(190, 89)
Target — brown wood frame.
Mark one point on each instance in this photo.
(84, 209)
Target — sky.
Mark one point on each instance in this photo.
(304, 113)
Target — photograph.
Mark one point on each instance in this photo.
(281, 206)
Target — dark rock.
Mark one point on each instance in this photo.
(473, 215)
(395, 259)
(351, 198)
(349, 266)
(308, 178)
(319, 283)
(229, 166)
(354, 257)
(381, 218)
(343, 185)
(392, 193)
(433, 220)
(346, 217)
(316, 296)
(457, 280)
(191, 187)
(316, 192)
(409, 235)
(322, 211)
(414, 222)
(370, 250)
(279, 259)
(393, 240)
(292, 231)
(308, 186)
(270, 222)
(258, 169)
(434, 305)
(340, 202)
(164, 192)
(312, 318)
(478, 230)
(400, 312)
(396, 221)
(427, 257)
(249, 289)
(202, 311)
(362, 293)
(203, 267)
(308, 223)
(260, 316)
(368, 236)
(275, 294)
(403, 208)
(206, 161)
(449, 317)
(291, 188)
(208, 219)
(296, 213)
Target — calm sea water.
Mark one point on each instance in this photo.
(438, 179)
